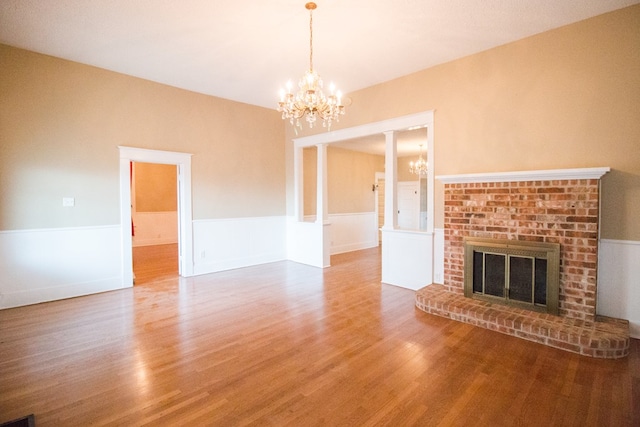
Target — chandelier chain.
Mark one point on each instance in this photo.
(311, 39)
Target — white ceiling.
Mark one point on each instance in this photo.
(246, 50)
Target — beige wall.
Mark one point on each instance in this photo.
(350, 177)
(61, 123)
(566, 98)
(155, 187)
(309, 168)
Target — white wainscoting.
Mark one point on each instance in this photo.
(306, 242)
(224, 244)
(438, 256)
(619, 282)
(353, 232)
(155, 228)
(51, 264)
(407, 258)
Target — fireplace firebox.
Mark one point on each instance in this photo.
(512, 272)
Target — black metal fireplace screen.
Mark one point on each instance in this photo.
(519, 273)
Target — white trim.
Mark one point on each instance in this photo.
(185, 217)
(385, 126)
(390, 181)
(519, 176)
(377, 177)
(154, 156)
(398, 123)
(55, 230)
(59, 292)
(620, 242)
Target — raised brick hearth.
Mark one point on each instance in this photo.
(603, 338)
(546, 206)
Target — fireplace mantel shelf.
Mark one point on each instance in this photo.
(517, 176)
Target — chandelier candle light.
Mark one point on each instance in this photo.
(310, 101)
(419, 167)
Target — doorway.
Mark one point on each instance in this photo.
(182, 161)
(154, 214)
(408, 205)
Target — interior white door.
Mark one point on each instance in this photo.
(408, 205)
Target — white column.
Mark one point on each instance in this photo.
(125, 221)
(322, 209)
(430, 179)
(298, 187)
(390, 181)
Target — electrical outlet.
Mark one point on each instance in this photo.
(68, 202)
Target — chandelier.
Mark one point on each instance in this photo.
(419, 167)
(310, 101)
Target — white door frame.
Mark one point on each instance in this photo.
(185, 223)
(379, 176)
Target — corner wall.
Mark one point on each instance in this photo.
(60, 127)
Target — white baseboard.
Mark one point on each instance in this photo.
(54, 293)
(154, 242)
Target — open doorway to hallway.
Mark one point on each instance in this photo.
(154, 214)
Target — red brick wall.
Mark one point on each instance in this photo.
(555, 211)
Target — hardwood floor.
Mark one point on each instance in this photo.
(287, 344)
(153, 263)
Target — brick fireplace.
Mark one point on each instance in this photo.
(559, 206)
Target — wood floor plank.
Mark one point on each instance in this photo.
(287, 344)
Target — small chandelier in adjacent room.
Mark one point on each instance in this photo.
(310, 101)
(419, 167)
